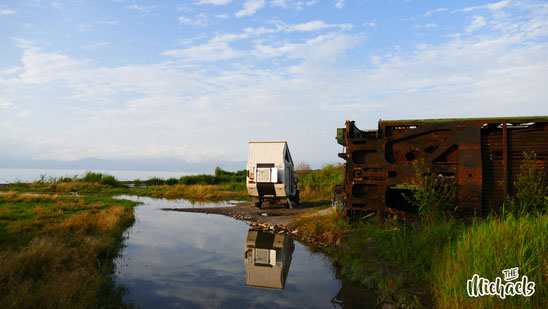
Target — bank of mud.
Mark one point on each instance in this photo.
(272, 218)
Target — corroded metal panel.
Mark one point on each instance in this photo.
(481, 156)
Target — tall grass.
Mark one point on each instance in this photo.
(57, 251)
(317, 185)
(486, 249)
(193, 192)
(531, 190)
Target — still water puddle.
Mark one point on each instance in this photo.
(194, 260)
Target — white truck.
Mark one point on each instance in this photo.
(267, 259)
(271, 173)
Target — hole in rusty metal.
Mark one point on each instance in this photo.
(430, 148)
(392, 174)
(410, 156)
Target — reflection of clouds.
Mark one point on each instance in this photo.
(196, 260)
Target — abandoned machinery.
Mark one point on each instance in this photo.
(482, 156)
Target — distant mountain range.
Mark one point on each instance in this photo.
(165, 164)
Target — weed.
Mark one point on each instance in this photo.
(531, 191)
(434, 198)
(317, 185)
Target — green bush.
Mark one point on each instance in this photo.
(235, 179)
(103, 179)
(172, 181)
(155, 181)
(434, 197)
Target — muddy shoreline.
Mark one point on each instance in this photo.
(272, 218)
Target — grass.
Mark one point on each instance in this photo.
(57, 251)
(486, 248)
(412, 266)
(317, 185)
(192, 192)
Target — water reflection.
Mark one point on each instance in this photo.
(267, 259)
(193, 260)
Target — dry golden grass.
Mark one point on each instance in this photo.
(12, 196)
(67, 187)
(93, 220)
(196, 192)
(325, 228)
(58, 250)
(49, 274)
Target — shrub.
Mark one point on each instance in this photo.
(103, 179)
(531, 192)
(433, 197)
(155, 181)
(172, 181)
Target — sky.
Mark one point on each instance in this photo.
(198, 79)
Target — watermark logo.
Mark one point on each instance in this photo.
(478, 286)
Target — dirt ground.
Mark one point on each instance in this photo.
(272, 218)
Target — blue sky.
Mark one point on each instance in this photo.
(198, 79)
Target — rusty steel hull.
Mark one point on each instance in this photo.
(482, 156)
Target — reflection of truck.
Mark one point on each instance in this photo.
(271, 173)
(267, 259)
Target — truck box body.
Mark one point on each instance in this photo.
(270, 171)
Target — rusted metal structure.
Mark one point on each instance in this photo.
(481, 155)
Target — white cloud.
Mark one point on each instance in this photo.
(97, 45)
(339, 4)
(221, 16)
(427, 14)
(142, 8)
(250, 7)
(86, 27)
(219, 49)
(316, 25)
(7, 12)
(429, 25)
(491, 6)
(477, 22)
(214, 50)
(292, 4)
(199, 20)
(214, 2)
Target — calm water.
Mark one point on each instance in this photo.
(190, 260)
(10, 175)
